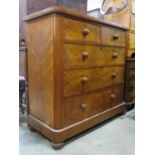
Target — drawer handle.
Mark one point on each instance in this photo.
(115, 55)
(85, 55)
(114, 75)
(115, 37)
(83, 106)
(113, 96)
(86, 32)
(84, 80)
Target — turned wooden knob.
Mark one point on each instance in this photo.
(83, 106)
(115, 55)
(85, 55)
(113, 96)
(86, 31)
(84, 80)
(115, 37)
(114, 75)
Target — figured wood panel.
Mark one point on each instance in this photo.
(112, 36)
(131, 40)
(80, 31)
(81, 107)
(92, 56)
(40, 69)
(84, 80)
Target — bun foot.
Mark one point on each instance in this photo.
(57, 146)
(31, 128)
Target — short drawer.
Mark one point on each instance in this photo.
(131, 41)
(80, 107)
(75, 30)
(85, 80)
(112, 36)
(92, 56)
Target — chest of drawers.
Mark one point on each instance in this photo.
(75, 72)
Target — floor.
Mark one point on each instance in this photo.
(114, 137)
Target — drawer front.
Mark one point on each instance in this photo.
(84, 80)
(82, 56)
(117, 95)
(113, 37)
(113, 56)
(131, 41)
(130, 96)
(92, 56)
(80, 31)
(118, 75)
(132, 26)
(80, 107)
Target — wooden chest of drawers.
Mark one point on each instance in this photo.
(75, 71)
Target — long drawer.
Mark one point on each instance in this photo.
(92, 56)
(112, 36)
(81, 31)
(85, 80)
(83, 106)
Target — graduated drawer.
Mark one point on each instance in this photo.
(75, 30)
(131, 41)
(80, 107)
(112, 36)
(85, 80)
(89, 56)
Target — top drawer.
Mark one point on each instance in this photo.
(113, 37)
(80, 31)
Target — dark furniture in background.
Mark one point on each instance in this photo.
(37, 5)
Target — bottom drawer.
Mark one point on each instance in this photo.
(80, 107)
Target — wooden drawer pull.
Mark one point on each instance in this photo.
(115, 55)
(114, 75)
(85, 55)
(84, 80)
(115, 37)
(86, 32)
(83, 106)
(113, 96)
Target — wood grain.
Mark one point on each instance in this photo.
(40, 69)
(73, 30)
(97, 56)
